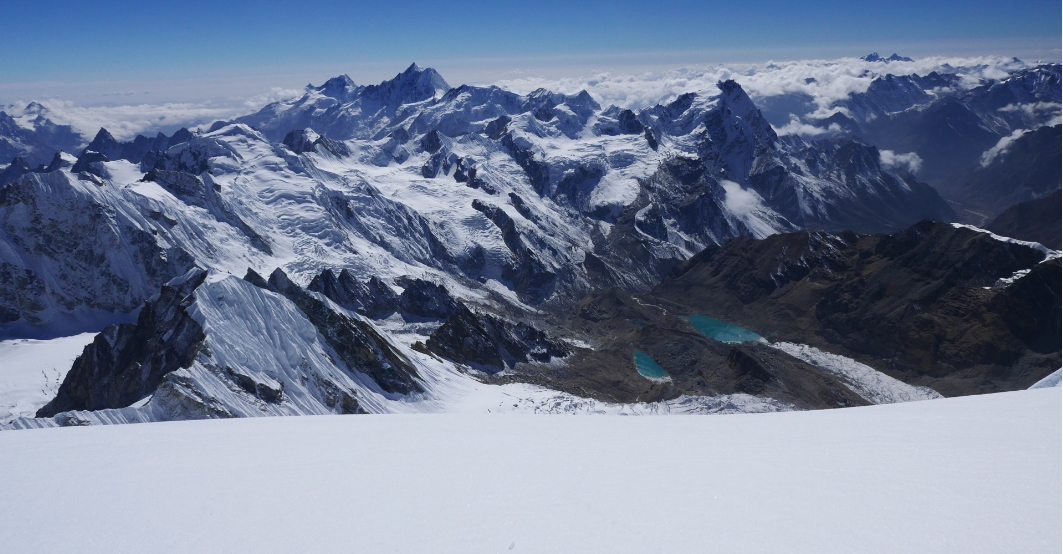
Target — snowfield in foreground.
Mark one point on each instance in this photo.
(971, 474)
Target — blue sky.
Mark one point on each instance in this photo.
(240, 47)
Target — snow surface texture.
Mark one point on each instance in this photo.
(32, 370)
(872, 385)
(1052, 380)
(973, 474)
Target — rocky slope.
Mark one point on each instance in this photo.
(1038, 220)
(939, 305)
(1022, 169)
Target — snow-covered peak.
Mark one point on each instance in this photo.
(734, 98)
(34, 108)
(413, 85)
(337, 87)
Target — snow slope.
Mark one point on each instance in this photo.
(872, 385)
(971, 474)
(31, 371)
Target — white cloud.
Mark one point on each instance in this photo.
(796, 127)
(826, 81)
(738, 200)
(275, 94)
(905, 161)
(1000, 147)
(1037, 113)
(128, 120)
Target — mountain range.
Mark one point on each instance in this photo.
(364, 248)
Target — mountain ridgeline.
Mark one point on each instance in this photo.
(413, 233)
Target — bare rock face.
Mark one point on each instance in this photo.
(128, 362)
(67, 248)
(492, 342)
(426, 299)
(302, 141)
(373, 298)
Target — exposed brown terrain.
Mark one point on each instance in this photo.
(925, 305)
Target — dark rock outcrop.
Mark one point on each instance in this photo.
(629, 122)
(127, 362)
(492, 342)
(373, 298)
(135, 150)
(89, 162)
(426, 299)
(301, 141)
(432, 142)
(496, 128)
(17, 168)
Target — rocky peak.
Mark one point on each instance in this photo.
(874, 57)
(20, 163)
(582, 103)
(301, 141)
(12, 172)
(180, 136)
(734, 98)
(105, 144)
(737, 128)
(373, 298)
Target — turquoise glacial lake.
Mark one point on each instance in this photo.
(647, 367)
(721, 330)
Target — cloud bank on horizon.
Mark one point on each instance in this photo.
(823, 81)
(827, 81)
(125, 121)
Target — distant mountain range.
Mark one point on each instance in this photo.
(344, 251)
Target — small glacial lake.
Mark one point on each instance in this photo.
(721, 330)
(647, 367)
